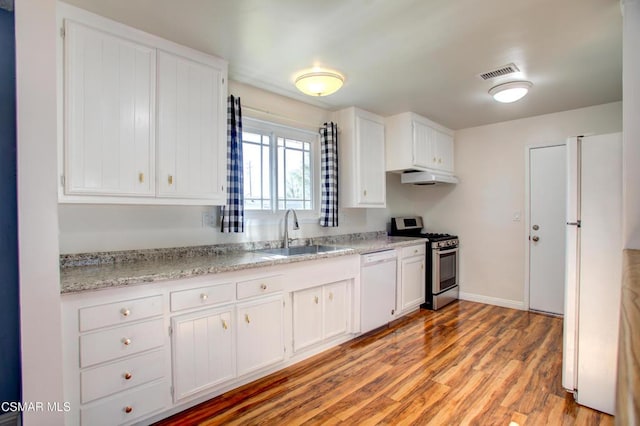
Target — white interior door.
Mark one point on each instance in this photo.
(547, 210)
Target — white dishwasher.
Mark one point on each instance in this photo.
(377, 289)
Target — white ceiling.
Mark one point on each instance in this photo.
(404, 55)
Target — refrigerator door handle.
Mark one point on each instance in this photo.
(574, 223)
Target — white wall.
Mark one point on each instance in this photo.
(87, 228)
(631, 118)
(37, 209)
(490, 162)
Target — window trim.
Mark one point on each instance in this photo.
(276, 130)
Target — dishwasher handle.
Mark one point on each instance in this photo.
(378, 257)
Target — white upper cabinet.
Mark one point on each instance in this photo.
(144, 119)
(191, 128)
(110, 114)
(416, 143)
(361, 160)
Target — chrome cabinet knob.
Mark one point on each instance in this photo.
(128, 409)
(535, 238)
(126, 341)
(204, 296)
(263, 286)
(536, 227)
(127, 376)
(125, 312)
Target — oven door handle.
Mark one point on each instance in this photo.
(441, 252)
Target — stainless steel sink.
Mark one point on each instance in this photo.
(299, 251)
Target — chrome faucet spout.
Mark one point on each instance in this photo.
(286, 225)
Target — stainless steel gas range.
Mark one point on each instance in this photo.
(442, 261)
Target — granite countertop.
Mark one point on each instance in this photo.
(98, 276)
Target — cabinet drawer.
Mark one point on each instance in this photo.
(203, 296)
(122, 375)
(259, 286)
(417, 250)
(119, 312)
(121, 341)
(126, 407)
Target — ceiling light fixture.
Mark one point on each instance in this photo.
(510, 92)
(319, 82)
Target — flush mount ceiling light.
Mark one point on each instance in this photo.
(319, 82)
(510, 92)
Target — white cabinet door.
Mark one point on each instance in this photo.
(371, 178)
(191, 128)
(361, 146)
(422, 146)
(336, 309)
(260, 333)
(412, 290)
(110, 114)
(307, 317)
(203, 350)
(443, 152)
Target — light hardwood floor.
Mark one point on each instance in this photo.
(468, 363)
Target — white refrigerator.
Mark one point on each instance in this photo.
(594, 269)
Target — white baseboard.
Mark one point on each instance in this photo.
(488, 300)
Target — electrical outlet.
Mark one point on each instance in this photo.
(207, 217)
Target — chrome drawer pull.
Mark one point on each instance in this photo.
(225, 325)
(247, 319)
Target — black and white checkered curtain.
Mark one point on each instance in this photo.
(329, 175)
(233, 212)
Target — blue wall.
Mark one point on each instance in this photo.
(9, 302)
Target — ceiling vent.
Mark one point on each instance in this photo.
(499, 72)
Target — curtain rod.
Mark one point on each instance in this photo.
(313, 126)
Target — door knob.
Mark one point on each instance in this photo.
(535, 238)
(536, 227)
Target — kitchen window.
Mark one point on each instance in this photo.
(280, 168)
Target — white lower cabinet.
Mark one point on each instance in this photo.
(203, 350)
(336, 309)
(260, 333)
(133, 354)
(412, 278)
(320, 313)
(117, 371)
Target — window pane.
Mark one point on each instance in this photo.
(294, 144)
(291, 165)
(256, 169)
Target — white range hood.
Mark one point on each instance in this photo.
(427, 178)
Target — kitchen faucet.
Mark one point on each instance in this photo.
(286, 225)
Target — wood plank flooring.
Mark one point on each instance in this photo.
(468, 363)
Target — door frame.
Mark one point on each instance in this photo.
(527, 213)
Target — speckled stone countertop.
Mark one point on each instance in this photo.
(87, 272)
